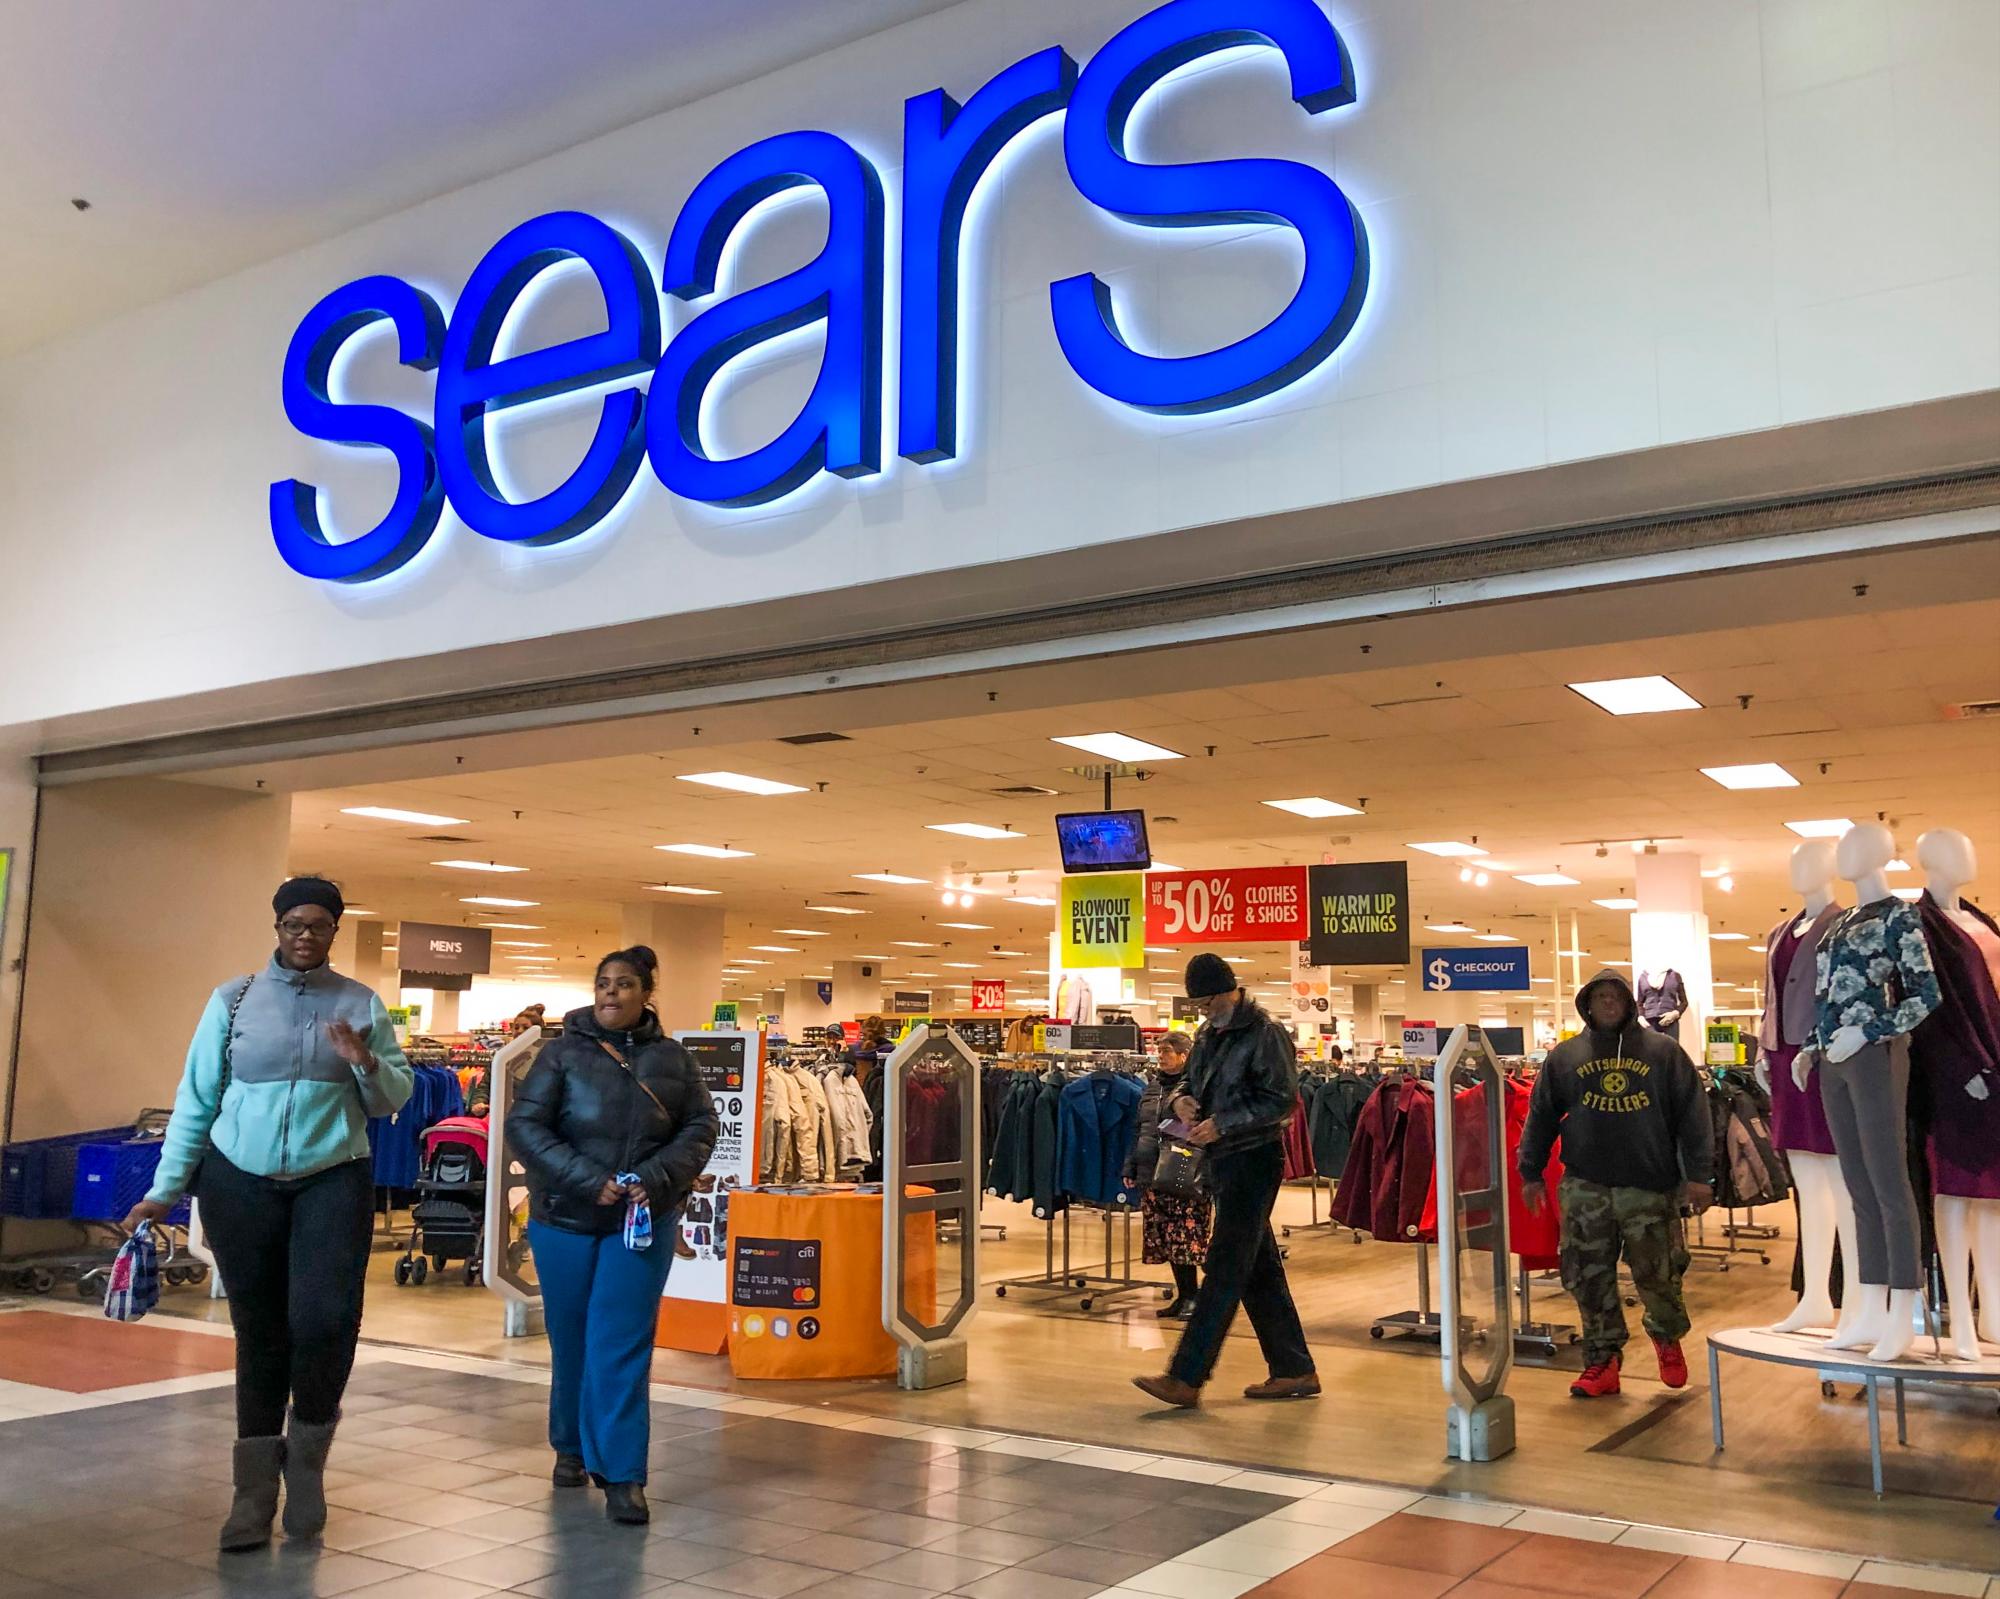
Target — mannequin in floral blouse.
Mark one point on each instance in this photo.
(1875, 984)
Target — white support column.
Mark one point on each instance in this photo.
(1367, 1011)
(857, 990)
(1670, 931)
(688, 940)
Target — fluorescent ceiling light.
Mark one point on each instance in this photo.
(477, 866)
(836, 910)
(801, 932)
(972, 830)
(1617, 904)
(1551, 979)
(710, 852)
(1617, 963)
(744, 960)
(1545, 879)
(1496, 938)
(1163, 949)
(519, 943)
(1911, 894)
(1760, 949)
(389, 813)
(920, 974)
(878, 957)
(1019, 953)
(1637, 696)
(1119, 747)
(1824, 827)
(1730, 938)
(911, 943)
(969, 927)
(1449, 849)
(1897, 865)
(737, 783)
(1577, 954)
(357, 910)
(1757, 774)
(1447, 927)
(683, 888)
(960, 966)
(1030, 899)
(893, 877)
(776, 949)
(514, 927)
(501, 904)
(1313, 808)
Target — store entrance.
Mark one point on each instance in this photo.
(807, 866)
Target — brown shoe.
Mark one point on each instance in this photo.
(1306, 1387)
(1169, 1391)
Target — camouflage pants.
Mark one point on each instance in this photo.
(1598, 1225)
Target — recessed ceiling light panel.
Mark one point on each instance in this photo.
(1545, 879)
(1449, 850)
(477, 866)
(737, 783)
(973, 830)
(708, 852)
(1313, 808)
(890, 877)
(1637, 696)
(1121, 747)
(1757, 774)
(1822, 827)
(389, 813)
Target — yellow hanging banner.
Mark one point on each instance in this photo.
(1104, 920)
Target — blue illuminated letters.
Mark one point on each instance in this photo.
(947, 149)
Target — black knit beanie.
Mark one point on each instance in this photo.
(1209, 975)
(309, 891)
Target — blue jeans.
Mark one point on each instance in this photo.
(601, 1302)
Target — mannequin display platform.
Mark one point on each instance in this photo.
(1874, 985)
(1956, 1053)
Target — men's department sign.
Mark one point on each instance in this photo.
(1360, 914)
(649, 391)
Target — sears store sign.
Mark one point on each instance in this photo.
(1446, 970)
(446, 456)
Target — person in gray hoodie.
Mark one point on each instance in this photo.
(1637, 1147)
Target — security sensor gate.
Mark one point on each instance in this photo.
(937, 1154)
(508, 1268)
(1474, 1283)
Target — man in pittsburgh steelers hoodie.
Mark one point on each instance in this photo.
(1637, 1146)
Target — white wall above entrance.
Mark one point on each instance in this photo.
(1595, 229)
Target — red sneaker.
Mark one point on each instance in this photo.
(1673, 1364)
(1599, 1381)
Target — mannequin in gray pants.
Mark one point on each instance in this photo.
(1866, 1098)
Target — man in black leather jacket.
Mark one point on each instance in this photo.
(1243, 1087)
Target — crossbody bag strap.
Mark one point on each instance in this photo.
(229, 1039)
(622, 1061)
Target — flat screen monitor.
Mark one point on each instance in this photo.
(1104, 841)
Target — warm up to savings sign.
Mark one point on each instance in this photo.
(1227, 907)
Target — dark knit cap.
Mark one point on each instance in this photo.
(309, 891)
(1209, 975)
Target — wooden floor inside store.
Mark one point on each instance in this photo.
(1796, 1470)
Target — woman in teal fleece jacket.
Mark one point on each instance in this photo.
(270, 1131)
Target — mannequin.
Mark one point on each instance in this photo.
(1874, 984)
(1662, 1000)
(1798, 1120)
(1956, 1053)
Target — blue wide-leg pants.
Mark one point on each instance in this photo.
(601, 1302)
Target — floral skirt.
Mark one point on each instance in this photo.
(1176, 1230)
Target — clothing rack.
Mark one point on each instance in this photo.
(1116, 1279)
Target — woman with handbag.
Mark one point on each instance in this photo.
(270, 1130)
(613, 1124)
(1175, 1225)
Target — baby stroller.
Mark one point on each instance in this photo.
(450, 1212)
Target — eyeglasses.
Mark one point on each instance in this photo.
(292, 929)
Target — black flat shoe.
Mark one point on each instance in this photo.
(569, 1472)
(1178, 1308)
(625, 1502)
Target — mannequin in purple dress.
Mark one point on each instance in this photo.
(1956, 1053)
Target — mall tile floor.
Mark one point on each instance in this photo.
(441, 1489)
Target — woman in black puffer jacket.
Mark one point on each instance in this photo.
(612, 1114)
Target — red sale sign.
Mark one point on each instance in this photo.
(1241, 906)
(989, 996)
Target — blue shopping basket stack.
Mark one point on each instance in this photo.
(38, 1175)
(112, 1177)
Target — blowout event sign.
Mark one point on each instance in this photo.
(1103, 920)
(1360, 914)
(1226, 907)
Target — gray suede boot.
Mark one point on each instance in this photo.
(257, 1464)
(306, 1448)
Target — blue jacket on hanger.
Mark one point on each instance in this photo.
(1099, 1116)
